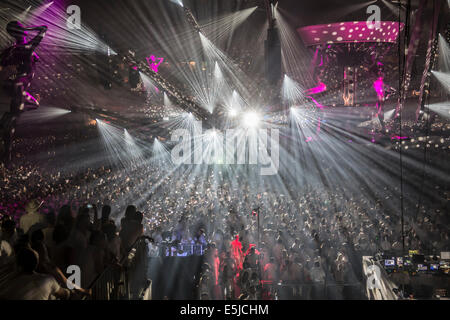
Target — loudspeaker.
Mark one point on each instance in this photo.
(134, 77)
(418, 258)
(273, 55)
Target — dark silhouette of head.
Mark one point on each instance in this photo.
(8, 228)
(106, 211)
(16, 30)
(130, 212)
(27, 259)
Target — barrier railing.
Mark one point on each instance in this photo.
(317, 290)
(126, 280)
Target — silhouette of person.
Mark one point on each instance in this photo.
(238, 255)
(379, 87)
(18, 61)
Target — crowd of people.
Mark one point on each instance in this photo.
(309, 237)
(252, 235)
(45, 245)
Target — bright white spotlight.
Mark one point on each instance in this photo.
(232, 113)
(444, 55)
(441, 108)
(213, 133)
(251, 119)
(178, 2)
(292, 92)
(444, 79)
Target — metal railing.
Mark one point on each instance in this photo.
(314, 291)
(126, 280)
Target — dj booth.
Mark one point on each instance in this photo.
(418, 276)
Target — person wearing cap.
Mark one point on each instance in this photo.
(32, 216)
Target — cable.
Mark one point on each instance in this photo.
(402, 97)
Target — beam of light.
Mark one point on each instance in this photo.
(234, 104)
(134, 151)
(444, 55)
(292, 92)
(178, 2)
(42, 114)
(219, 28)
(198, 65)
(21, 16)
(232, 113)
(167, 101)
(293, 54)
(237, 77)
(388, 115)
(161, 154)
(305, 123)
(184, 120)
(444, 79)
(251, 119)
(149, 85)
(213, 147)
(171, 110)
(61, 39)
(115, 144)
(442, 108)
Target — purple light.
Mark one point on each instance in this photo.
(378, 85)
(344, 32)
(308, 139)
(320, 88)
(399, 138)
(153, 64)
(318, 105)
(321, 62)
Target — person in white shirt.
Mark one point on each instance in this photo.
(30, 285)
(385, 244)
(317, 273)
(7, 240)
(6, 253)
(32, 215)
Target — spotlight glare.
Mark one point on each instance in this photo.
(178, 2)
(232, 113)
(251, 119)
